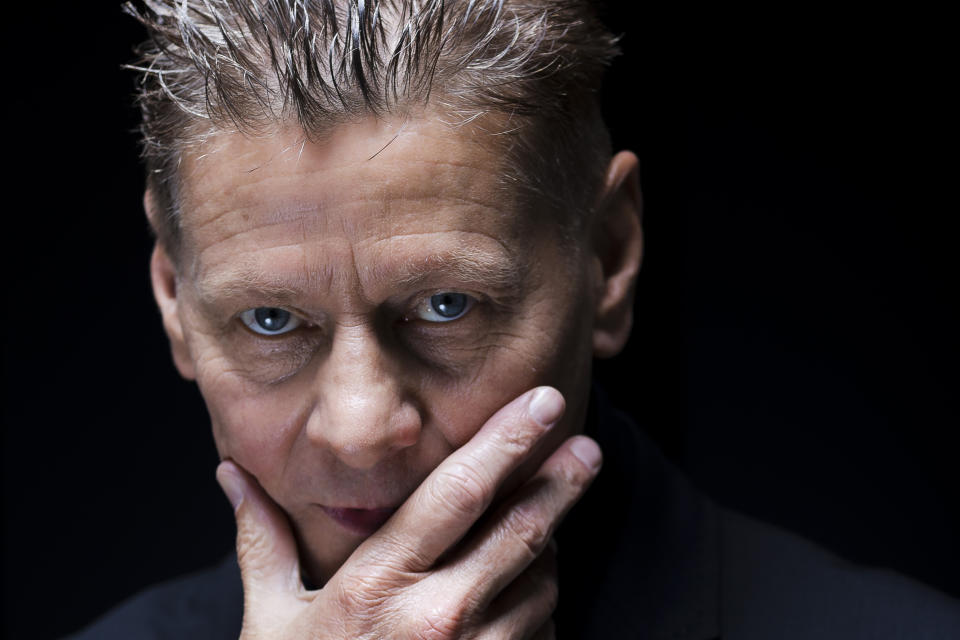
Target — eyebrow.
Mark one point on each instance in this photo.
(462, 265)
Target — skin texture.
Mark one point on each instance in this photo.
(370, 402)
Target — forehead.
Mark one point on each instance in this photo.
(373, 193)
(372, 162)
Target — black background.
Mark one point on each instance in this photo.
(795, 339)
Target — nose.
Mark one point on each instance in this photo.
(363, 413)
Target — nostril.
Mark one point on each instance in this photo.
(407, 428)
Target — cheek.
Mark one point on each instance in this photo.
(253, 426)
(460, 411)
(553, 349)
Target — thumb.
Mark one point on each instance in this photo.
(266, 549)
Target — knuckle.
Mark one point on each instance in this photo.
(461, 489)
(442, 623)
(543, 599)
(575, 476)
(517, 440)
(524, 525)
(252, 544)
(394, 551)
(364, 591)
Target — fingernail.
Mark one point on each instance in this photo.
(231, 483)
(587, 452)
(546, 405)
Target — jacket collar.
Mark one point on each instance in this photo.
(639, 555)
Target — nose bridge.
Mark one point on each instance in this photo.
(363, 414)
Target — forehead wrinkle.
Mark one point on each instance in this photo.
(281, 211)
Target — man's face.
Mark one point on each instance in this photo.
(355, 310)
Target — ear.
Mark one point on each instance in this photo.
(163, 277)
(618, 252)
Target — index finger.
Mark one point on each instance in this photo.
(459, 490)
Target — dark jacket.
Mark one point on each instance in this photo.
(643, 555)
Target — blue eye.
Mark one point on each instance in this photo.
(270, 321)
(444, 307)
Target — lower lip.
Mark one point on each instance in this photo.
(363, 522)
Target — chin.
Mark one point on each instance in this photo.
(323, 553)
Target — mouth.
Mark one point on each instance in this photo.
(362, 522)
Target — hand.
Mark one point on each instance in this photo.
(421, 576)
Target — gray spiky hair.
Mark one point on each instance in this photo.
(254, 65)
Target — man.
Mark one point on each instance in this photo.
(391, 238)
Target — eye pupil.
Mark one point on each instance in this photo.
(449, 305)
(271, 318)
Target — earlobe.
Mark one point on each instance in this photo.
(163, 277)
(618, 251)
